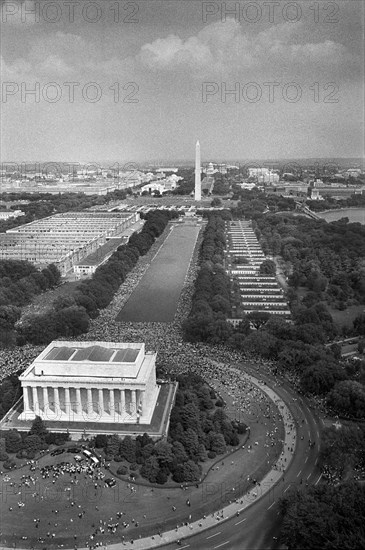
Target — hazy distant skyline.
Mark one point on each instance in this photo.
(170, 51)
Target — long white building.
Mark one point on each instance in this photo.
(63, 239)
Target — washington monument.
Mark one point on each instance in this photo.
(198, 185)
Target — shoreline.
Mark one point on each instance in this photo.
(341, 208)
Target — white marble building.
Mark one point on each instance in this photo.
(91, 382)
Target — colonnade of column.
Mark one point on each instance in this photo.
(83, 403)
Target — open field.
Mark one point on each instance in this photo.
(156, 296)
(347, 316)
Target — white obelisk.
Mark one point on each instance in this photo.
(198, 185)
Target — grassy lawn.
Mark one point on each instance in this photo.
(347, 316)
(341, 319)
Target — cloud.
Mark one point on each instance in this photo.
(21, 13)
(54, 66)
(15, 71)
(224, 47)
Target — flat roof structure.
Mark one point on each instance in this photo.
(64, 239)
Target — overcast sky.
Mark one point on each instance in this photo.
(162, 56)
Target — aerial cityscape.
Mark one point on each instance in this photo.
(182, 275)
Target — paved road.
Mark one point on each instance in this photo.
(255, 527)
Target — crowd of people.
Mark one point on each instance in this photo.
(216, 364)
(17, 359)
(72, 483)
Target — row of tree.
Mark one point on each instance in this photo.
(211, 300)
(28, 444)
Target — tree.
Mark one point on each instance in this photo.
(217, 443)
(359, 324)
(258, 318)
(14, 442)
(268, 267)
(320, 377)
(189, 416)
(150, 469)
(164, 453)
(191, 442)
(348, 397)
(202, 453)
(261, 342)
(113, 445)
(342, 450)
(189, 471)
(128, 449)
(216, 202)
(324, 517)
(38, 428)
(179, 452)
(33, 443)
(101, 441)
(72, 321)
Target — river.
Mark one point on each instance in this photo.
(353, 214)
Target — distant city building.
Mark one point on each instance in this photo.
(7, 214)
(210, 169)
(162, 186)
(336, 191)
(315, 195)
(263, 175)
(245, 185)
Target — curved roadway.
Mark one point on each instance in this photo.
(258, 526)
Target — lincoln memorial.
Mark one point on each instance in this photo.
(91, 382)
